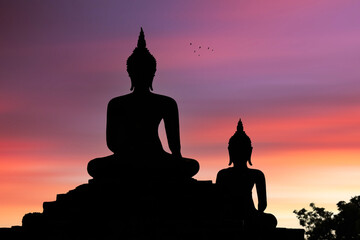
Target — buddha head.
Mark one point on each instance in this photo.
(240, 148)
(141, 65)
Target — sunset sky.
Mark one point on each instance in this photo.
(289, 69)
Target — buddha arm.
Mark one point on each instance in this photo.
(112, 140)
(261, 192)
(171, 122)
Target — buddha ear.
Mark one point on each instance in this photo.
(250, 153)
(231, 158)
(151, 82)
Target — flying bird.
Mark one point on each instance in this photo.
(197, 50)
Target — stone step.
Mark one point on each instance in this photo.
(61, 197)
(49, 206)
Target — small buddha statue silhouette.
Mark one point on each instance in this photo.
(132, 128)
(236, 183)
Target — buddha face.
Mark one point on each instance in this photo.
(142, 80)
(141, 67)
(239, 152)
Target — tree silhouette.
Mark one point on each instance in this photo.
(324, 225)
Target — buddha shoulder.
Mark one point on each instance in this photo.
(164, 100)
(257, 173)
(120, 100)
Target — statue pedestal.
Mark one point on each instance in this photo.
(137, 209)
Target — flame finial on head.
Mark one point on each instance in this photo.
(141, 41)
(240, 126)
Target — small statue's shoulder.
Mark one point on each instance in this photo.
(257, 172)
(224, 175)
(226, 171)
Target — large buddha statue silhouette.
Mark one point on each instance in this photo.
(132, 128)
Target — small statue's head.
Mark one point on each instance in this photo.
(141, 65)
(240, 148)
